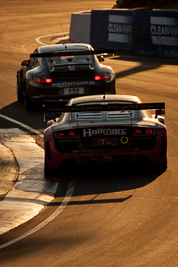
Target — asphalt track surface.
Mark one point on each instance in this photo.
(115, 217)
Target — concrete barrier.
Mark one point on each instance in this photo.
(155, 33)
(144, 32)
(111, 29)
(80, 27)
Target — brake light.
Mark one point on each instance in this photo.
(101, 77)
(48, 80)
(71, 133)
(42, 80)
(149, 131)
(138, 131)
(66, 134)
(143, 131)
(61, 134)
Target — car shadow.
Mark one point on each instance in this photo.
(94, 181)
(145, 63)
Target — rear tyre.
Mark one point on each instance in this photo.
(27, 102)
(48, 170)
(20, 97)
(112, 89)
(163, 166)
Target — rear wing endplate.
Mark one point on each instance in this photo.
(72, 53)
(102, 107)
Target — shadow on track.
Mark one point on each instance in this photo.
(105, 179)
(18, 112)
(145, 64)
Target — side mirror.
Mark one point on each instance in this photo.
(100, 58)
(159, 112)
(161, 119)
(49, 123)
(160, 115)
(25, 63)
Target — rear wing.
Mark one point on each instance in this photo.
(51, 112)
(72, 53)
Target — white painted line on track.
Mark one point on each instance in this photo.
(69, 193)
(31, 192)
(71, 184)
(55, 34)
(21, 124)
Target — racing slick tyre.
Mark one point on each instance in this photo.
(20, 97)
(48, 170)
(112, 89)
(27, 102)
(163, 166)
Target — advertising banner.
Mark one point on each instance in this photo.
(111, 29)
(155, 33)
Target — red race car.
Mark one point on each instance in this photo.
(99, 128)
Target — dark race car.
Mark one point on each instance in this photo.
(116, 128)
(61, 72)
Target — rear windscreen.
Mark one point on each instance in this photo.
(71, 60)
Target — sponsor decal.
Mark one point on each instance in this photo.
(164, 31)
(120, 29)
(124, 140)
(68, 84)
(100, 131)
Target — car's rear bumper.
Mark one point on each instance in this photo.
(157, 155)
(37, 94)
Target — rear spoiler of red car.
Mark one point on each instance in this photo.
(72, 53)
(159, 107)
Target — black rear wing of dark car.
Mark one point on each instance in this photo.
(72, 53)
(52, 112)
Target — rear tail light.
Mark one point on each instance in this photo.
(149, 131)
(61, 134)
(101, 77)
(143, 131)
(42, 80)
(65, 134)
(71, 133)
(138, 131)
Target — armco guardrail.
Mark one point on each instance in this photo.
(145, 32)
